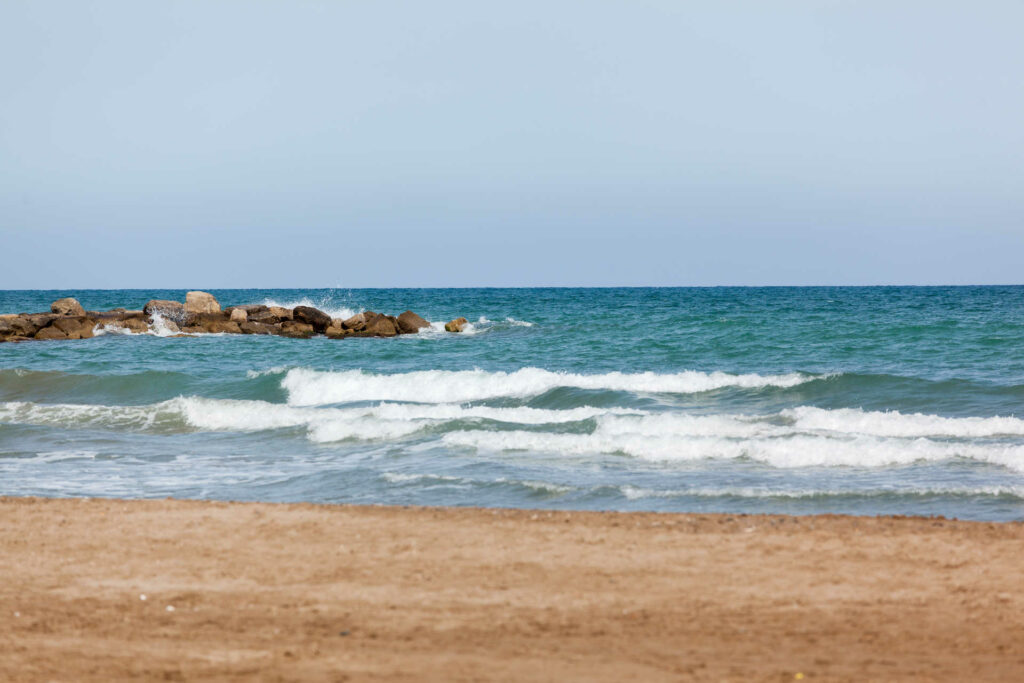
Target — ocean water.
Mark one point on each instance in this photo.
(879, 400)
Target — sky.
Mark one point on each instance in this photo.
(219, 144)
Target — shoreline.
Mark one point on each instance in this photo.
(303, 591)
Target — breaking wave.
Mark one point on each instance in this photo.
(312, 387)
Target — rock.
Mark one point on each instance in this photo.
(26, 324)
(193, 329)
(169, 326)
(204, 319)
(312, 316)
(410, 323)
(75, 327)
(239, 316)
(201, 302)
(456, 325)
(356, 322)
(281, 312)
(136, 325)
(379, 326)
(295, 330)
(336, 331)
(222, 327)
(67, 306)
(265, 317)
(50, 333)
(171, 310)
(256, 328)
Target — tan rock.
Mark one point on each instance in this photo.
(281, 312)
(222, 327)
(136, 325)
(410, 323)
(356, 322)
(67, 306)
(50, 333)
(295, 330)
(256, 328)
(337, 332)
(239, 316)
(456, 325)
(201, 302)
(75, 327)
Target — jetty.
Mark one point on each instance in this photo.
(201, 313)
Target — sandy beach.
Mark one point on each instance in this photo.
(334, 593)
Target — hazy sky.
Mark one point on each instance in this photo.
(308, 144)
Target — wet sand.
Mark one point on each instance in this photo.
(338, 593)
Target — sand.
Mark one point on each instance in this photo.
(338, 593)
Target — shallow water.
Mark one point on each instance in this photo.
(859, 400)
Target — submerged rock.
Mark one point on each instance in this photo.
(67, 306)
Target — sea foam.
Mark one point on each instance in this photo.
(311, 387)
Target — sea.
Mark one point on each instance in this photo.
(855, 400)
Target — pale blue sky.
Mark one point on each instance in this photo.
(308, 144)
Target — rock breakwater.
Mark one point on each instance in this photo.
(201, 313)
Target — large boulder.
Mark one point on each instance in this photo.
(281, 312)
(456, 325)
(410, 323)
(312, 316)
(67, 306)
(75, 327)
(239, 315)
(137, 325)
(172, 310)
(201, 302)
(355, 323)
(379, 326)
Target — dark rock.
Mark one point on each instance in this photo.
(265, 317)
(67, 306)
(410, 323)
(312, 316)
(172, 310)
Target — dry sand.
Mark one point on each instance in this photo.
(336, 593)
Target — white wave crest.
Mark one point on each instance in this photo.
(855, 421)
(312, 387)
(797, 451)
(326, 305)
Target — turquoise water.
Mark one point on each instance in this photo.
(800, 400)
